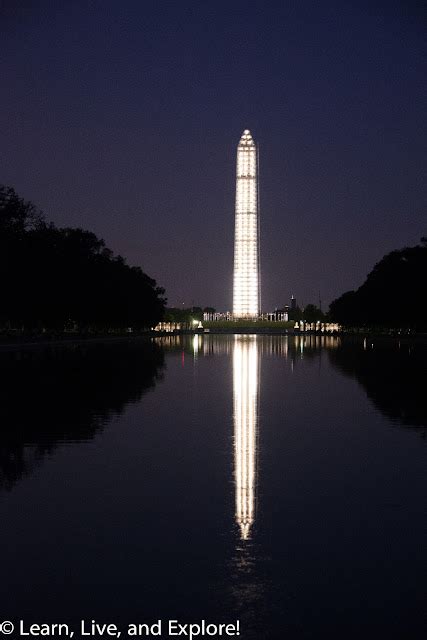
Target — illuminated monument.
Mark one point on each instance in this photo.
(246, 281)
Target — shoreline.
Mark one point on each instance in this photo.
(34, 342)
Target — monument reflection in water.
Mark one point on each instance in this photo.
(245, 419)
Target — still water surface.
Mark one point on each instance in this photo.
(279, 481)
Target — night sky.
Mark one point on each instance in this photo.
(124, 117)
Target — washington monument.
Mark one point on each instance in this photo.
(246, 281)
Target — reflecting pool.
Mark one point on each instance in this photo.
(275, 480)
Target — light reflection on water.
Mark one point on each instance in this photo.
(288, 491)
(245, 420)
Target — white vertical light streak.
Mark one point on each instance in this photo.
(246, 252)
(245, 417)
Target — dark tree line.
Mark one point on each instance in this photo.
(393, 295)
(310, 313)
(52, 278)
(185, 316)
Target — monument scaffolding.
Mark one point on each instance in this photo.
(246, 280)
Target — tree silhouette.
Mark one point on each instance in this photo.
(51, 276)
(312, 313)
(393, 295)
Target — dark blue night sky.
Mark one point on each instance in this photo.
(123, 118)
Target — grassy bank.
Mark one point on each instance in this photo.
(247, 324)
